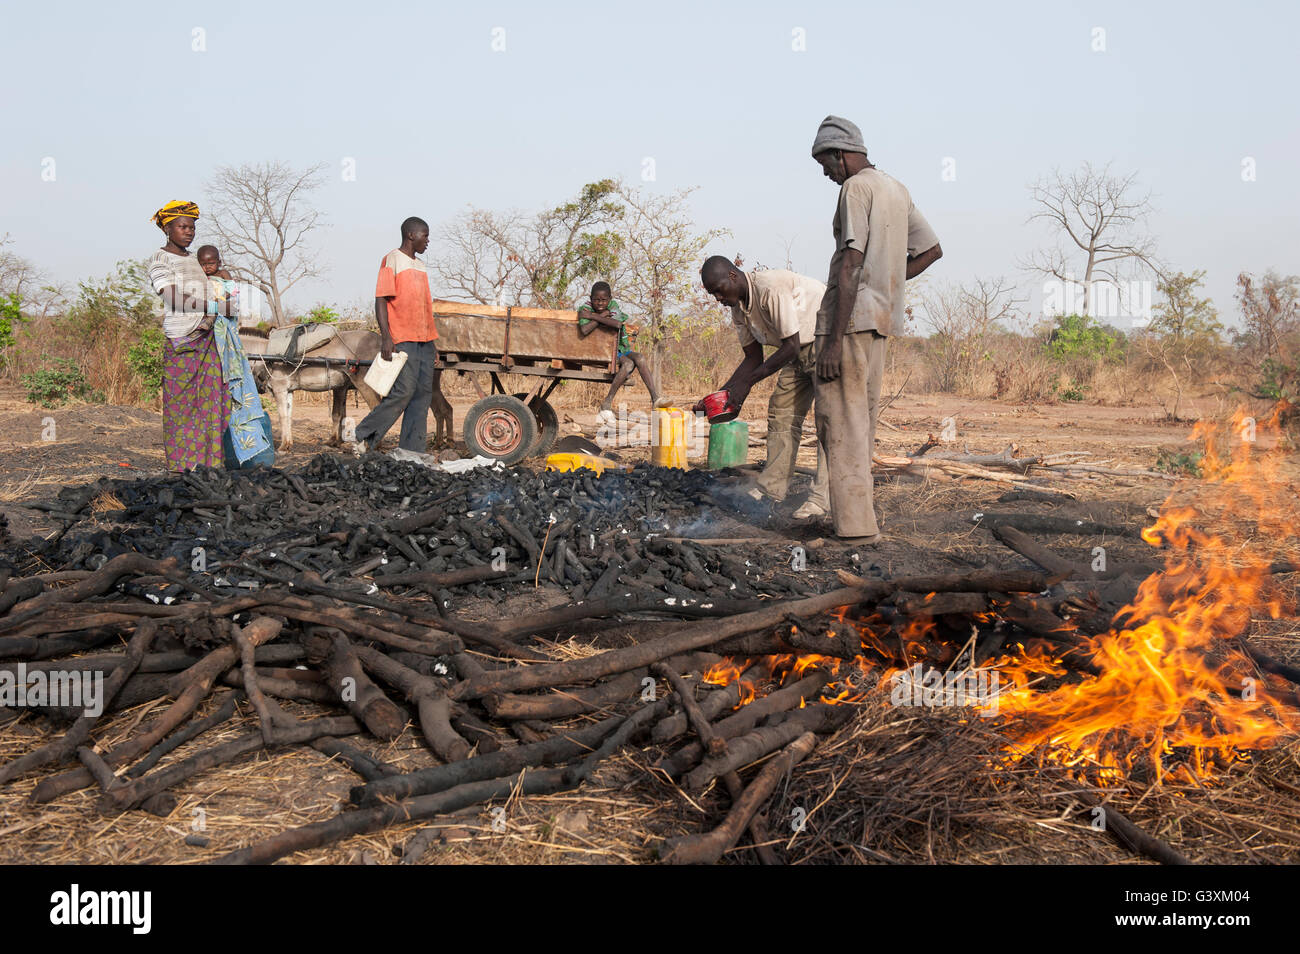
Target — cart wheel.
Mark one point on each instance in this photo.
(548, 426)
(502, 427)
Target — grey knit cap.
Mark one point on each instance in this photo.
(838, 133)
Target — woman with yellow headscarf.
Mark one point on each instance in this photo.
(196, 402)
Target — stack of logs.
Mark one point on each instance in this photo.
(501, 716)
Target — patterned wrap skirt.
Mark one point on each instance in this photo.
(196, 402)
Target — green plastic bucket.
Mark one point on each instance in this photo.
(728, 444)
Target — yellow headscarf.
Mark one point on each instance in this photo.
(174, 210)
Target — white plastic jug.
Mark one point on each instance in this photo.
(383, 373)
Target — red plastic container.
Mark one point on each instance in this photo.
(718, 408)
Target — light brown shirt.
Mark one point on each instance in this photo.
(875, 216)
(781, 303)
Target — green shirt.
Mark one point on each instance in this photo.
(615, 312)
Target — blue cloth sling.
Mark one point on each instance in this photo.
(248, 438)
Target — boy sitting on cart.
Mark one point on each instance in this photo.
(602, 309)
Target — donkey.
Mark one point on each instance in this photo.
(282, 378)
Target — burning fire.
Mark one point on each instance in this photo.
(1168, 693)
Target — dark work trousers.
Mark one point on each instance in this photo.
(409, 397)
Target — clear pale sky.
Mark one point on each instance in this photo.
(716, 94)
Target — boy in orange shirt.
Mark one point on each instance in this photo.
(404, 312)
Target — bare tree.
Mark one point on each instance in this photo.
(962, 318)
(37, 295)
(645, 245)
(992, 302)
(477, 257)
(658, 266)
(1102, 217)
(510, 257)
(17, 274)
(1270, 310)
(260, 217)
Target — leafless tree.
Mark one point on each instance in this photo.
(1270, 338)
(260, 216)
(539, 260)
(962, 318)
(37, 295)
(992, 301)
(1102, 217)
(658, 265)
(1270, 311)
(644, 244)
(17, 274)
(478, 257)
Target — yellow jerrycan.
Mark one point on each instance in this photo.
(668, 441)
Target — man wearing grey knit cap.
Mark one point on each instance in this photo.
(881, 240)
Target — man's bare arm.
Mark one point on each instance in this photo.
(919, 263)
(850, 266)
(594, 318)
(744, 380)
(753, 359)
(385, 336)
(786, 352)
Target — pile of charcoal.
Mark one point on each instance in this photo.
(399, 524)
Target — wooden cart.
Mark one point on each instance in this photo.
(541, 342)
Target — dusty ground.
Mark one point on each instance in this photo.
(927, 524)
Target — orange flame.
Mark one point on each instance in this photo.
(1169, 692)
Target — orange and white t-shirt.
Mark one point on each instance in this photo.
(404, 281)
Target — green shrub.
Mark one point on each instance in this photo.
(124, 296)
(1179, 462)
(55, 386)
(145, 359)
(1279, 381)
(1082, 338)
(1074, 391)
(321, 315)
(10, 317)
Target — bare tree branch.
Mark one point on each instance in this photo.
(1102, 217)
(962, 319)
(18, 276)
(261, 218)
(659, 266)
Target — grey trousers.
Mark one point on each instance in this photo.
(791, 400)
(846, 426)
(409, 398)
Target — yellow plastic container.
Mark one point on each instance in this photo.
(668, 441)
(567, 462)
